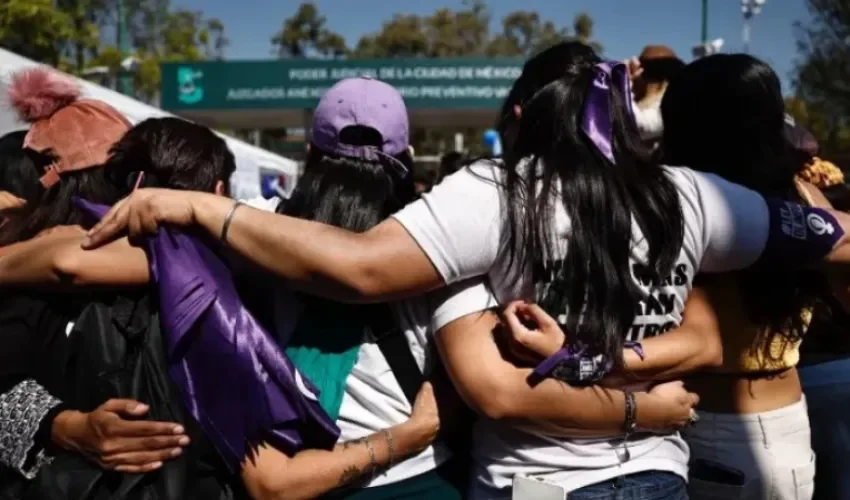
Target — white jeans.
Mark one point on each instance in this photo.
(770, 453)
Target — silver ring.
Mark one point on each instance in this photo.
(694, 418)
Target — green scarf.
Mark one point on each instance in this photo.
(324, 347)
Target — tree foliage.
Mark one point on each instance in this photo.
(77, 35)
(304, 34)
(445, 33)
(34, 29)
(822, 78)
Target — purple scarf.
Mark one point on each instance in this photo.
(232, 376)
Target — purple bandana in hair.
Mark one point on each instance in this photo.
(596, 120)
(233, 378)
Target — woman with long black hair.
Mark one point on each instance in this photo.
(753, 440)
(578, 217)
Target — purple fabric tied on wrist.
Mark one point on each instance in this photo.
(636, 347)
(233, 378)
(577, 366)
(798, 234)
(597, 121)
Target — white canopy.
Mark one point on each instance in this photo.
(251, 161)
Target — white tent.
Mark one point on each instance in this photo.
(251, 161)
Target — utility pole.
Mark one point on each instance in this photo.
(749, 8)
(704, 37)
(125, 77)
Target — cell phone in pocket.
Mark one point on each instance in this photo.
(528, 488)
(714, 472)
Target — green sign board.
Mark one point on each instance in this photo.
(298, 84)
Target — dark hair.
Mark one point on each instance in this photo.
(54, 206)
(18, 173)
(353, 194)
(725, 114)
(172, 153)
(350, 193)
(450, 163)
(541, 69)
(593, 283)
(660, 69)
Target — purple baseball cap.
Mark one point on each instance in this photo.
(364, 102)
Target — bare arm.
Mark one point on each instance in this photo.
(58, 259)
(272, 475)
(695, 345)
(379, 264)
(499, 389)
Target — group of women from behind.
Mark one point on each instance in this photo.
(557, 288)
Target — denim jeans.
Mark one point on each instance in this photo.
(827, 388)
(650, 485)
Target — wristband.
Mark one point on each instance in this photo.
(577, 366)
(798, 234)
(373, 462)
(225, 227)
(629, 425)
(390, 447)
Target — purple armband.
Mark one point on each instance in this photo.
(577, 366)
(798, 234)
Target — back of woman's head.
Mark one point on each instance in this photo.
(18, 174)
(725, 114)
(576, 144)
(171, 153)
(351, 193)
(55, 206)
(547, 66)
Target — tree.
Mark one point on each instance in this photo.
(822, 76)
(34, 29)
(466, 32)
(304, 34)
(524, 34)
(158, 34)
(445, 33)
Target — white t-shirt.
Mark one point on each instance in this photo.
(373, 399)
(460, 226)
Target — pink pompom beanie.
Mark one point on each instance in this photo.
(79, 132)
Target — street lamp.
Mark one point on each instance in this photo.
(750, 9)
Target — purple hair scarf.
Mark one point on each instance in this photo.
(596, 120)
(233, 378)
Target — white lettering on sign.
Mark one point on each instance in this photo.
(308, 74)
(409, 73)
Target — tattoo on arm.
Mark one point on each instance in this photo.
(348, 475)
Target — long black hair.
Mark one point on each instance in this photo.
(353, 194)
(549, 161)
(18, 173)
(171, 153)
(55, 206)
(725, 114)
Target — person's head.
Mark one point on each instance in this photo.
(659, 65)
(449, 164)
(173, 153)
(18, 174)
(725, 114)
(538, 72)
(573, 141)
(359, 166)
(68, 141)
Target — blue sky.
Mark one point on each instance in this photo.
(622, 26)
